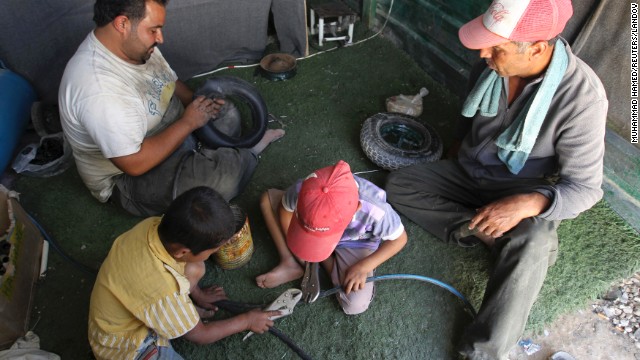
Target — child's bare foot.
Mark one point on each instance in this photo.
(284, 272)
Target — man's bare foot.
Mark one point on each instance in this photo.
(283, 273)
(269, 136)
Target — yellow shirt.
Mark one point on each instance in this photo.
(140, 287)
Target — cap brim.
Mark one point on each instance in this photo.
(474, 35)
(310, 246)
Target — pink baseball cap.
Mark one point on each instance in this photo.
(516, 20)
(327, 201)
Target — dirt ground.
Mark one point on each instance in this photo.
(585, 336)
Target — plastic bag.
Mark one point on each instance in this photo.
(407, 104)
(51, 157)
(27, 348)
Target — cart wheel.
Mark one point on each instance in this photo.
(394, 140)
(239, 92)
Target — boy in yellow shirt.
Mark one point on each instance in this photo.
(147, 292)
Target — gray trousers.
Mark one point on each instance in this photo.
(440, 197)
(226, 170)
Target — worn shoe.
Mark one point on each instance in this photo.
(469, 241)
(466, 237)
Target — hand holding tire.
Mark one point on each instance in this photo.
(223, 87)
(201, 110)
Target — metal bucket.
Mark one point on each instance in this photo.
(278, 66)
(239, 249)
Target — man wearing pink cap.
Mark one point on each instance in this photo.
(338, 219)
(529, 153)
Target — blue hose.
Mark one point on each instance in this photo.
(54, 244)
(92, 272)
(411, 277)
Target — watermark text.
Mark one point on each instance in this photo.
(634, 74)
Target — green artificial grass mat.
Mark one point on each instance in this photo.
(322, 109)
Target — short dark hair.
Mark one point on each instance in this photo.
(104, 11)
(200, 219)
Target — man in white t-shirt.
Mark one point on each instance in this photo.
(129, 120)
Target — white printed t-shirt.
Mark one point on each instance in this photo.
(108, 106)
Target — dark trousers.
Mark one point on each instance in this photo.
(440, 197)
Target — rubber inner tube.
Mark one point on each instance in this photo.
(232, 88)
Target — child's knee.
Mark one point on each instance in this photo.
(356, 302)
(194, 272)
(356, 308)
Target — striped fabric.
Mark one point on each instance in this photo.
(139, 288)
(170, 317)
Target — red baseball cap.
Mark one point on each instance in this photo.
(327, 201)
(516, 20)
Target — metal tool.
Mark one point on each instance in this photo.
(310, 283)
(284, 303)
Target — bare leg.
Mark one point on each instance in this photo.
(203, 298)
(289, 269)
(270, 136)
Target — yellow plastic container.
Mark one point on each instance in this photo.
(239, 249)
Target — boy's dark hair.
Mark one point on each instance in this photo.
(200, 219)
(104, 11)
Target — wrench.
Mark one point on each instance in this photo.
(310, 283)
(283, 303)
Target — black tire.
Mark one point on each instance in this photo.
(394, 140)
(222, 87)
